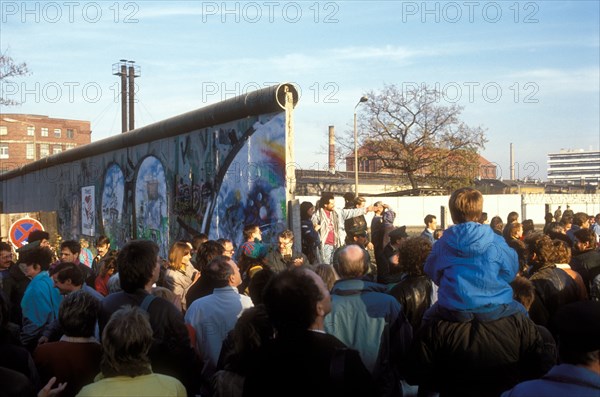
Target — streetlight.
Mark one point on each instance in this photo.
(362, 99)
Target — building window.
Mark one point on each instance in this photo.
(365, 165)
(44, 132)
(70, 133)
(69, 146)
(3, 130)
(57, 132)
(30, 131)
(4, 151)
(44, 150)
(56, 149)
(30, 151)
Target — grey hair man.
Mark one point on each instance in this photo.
(384, 334)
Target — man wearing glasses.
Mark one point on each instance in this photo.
(228, 248)
(285, 257)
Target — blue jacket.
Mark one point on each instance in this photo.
(561, 381)
(366, 319)
(473, 267)
(428, 235)
(40, 307)
(571, 232)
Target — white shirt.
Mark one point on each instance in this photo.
(212, 317)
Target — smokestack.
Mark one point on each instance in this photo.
(332, 149)
(120, 69)
(131, 76)
(512, 163)
(123, 96)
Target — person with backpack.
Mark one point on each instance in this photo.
(171, 352)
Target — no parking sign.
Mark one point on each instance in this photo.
(19, 231)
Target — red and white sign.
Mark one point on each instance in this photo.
(19, 231)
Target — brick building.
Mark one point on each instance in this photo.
(25, 138)
(455, 165)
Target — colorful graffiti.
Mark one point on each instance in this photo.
(88, 210)
(253, 188)
(211, 180)
(151, 211)
(113, 193)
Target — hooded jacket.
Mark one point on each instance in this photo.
(473, 267)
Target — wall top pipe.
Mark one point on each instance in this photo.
(266, 100)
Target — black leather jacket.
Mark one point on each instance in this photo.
(476, 358)
(553, 288)
(414, 294)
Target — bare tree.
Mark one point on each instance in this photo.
(414, 133)
(8, 70)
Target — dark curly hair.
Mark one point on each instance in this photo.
(41, 256)
(208, 251)
(413, 254)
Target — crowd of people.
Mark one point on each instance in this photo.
(351, 309)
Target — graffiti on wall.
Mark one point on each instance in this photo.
(113, 193)
(152, 221)
(88, 211)
(253, 188)
(211, 180)
(230, 176)
(69, 209)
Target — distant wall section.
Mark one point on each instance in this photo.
(411, 211)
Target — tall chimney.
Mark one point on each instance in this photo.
(131, 76)
(132, 71)
(123, 96)
(120, 69)
(332, 149)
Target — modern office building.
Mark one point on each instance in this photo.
(27, 137)
(574, 167)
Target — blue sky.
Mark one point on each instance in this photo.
(528, 72)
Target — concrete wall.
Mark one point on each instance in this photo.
(410, 211)
(211, 170)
